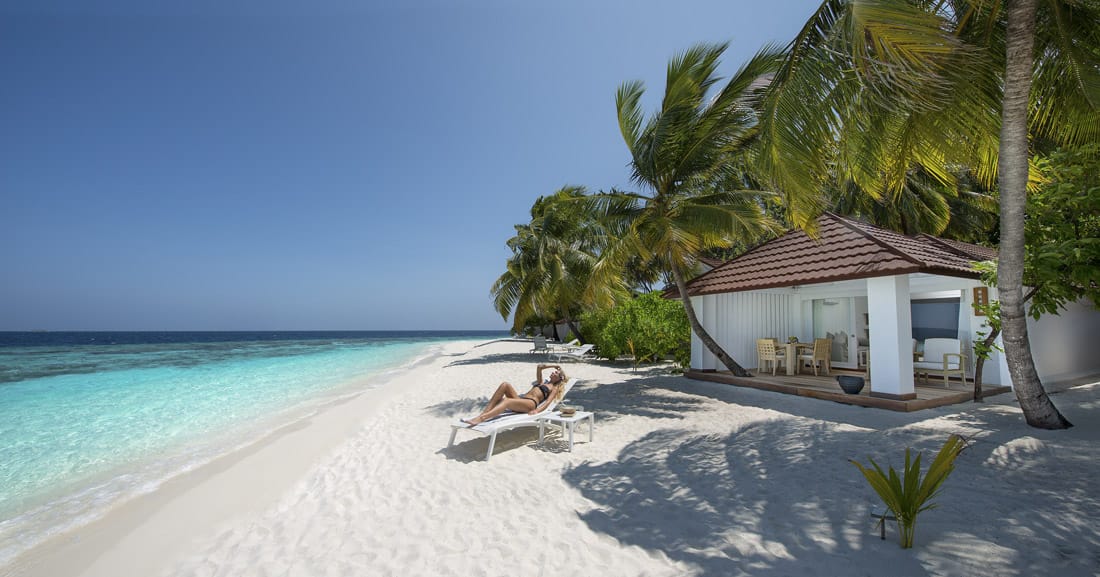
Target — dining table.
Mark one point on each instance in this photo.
(793, 350)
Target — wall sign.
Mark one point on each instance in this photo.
(981, 299)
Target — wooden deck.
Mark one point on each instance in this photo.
(824, 387)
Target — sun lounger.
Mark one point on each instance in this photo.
(577, 354)
(539, 345)
(506, 422)
(573, 344)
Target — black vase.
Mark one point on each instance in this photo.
(851, 385)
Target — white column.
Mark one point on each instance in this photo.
(996, 370)
(891, 329)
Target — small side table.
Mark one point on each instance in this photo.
(569, 423)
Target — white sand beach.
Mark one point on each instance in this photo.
(682, 478)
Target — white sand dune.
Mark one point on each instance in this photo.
(682, 478)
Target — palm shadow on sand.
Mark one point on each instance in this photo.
(779, 497)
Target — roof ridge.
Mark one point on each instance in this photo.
(939, 243)
(951, 244)
(855, 225)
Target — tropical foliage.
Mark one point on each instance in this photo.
(1062, 231)
(907, 495)
(647, 328)
(1062, 236)
(548, 274)
(683, 159)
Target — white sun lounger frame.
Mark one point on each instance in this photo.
(506, 422)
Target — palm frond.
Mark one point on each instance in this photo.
(627, 100)
(1066, 94)
(857, 92)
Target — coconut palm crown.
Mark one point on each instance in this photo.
(548, 274)
(682, 157)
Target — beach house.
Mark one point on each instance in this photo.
(877, 295)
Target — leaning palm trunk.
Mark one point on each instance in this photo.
(702, 333)
(1038, 410)
(573, 328)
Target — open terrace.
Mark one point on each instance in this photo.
(932, 394)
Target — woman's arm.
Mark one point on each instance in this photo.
(539, 368)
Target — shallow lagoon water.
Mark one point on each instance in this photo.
(88, 420)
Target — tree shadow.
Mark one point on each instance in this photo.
(493, 358)
(723, 504)
(472, 449)
(570, 365)
(650, 398)
(454, 407)
(779, 495)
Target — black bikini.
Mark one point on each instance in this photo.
(545, 394)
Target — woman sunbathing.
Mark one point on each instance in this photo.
(532, 402)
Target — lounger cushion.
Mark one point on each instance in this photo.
(951, 365)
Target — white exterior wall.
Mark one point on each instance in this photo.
(706, 310)
(736, 320)
(1063, 345)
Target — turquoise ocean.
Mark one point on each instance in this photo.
(89, 420)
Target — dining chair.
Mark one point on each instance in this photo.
(821, 353)
(768, 352)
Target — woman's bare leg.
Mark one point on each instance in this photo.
(511, 404)
(505, 390)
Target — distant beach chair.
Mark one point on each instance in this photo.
(568, 346)
(540, 345)
(507, 422)
(576, 354)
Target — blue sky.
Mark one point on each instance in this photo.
(330, 165)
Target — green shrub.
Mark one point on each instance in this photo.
(648, 327)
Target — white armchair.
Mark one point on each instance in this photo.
(942, 357)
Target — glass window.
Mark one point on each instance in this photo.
(935, 318)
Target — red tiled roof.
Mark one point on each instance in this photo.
(711, 262)
(967, 250)
(845, 249)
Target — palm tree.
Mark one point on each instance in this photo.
(872, 88)
(1038, 410)
(923, 205)
(679, 156)
(548, 273)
